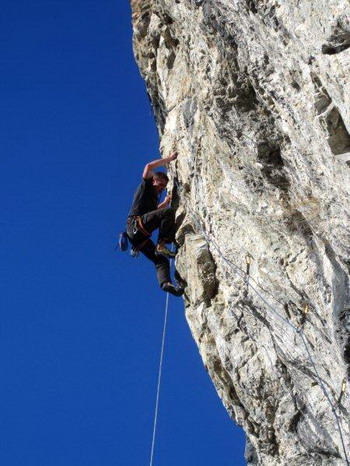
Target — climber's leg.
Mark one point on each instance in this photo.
(164, 219)
(161, 263)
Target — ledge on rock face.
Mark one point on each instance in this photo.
(255, 97)
(201, 274)
(340, 37)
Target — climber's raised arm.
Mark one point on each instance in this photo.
(166, 202)
(148, 170)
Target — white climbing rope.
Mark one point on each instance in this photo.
(159, 380)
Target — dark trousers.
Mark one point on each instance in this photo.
(164, 219)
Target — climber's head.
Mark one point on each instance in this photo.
(160, 181)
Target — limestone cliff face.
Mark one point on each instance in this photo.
(255, 95)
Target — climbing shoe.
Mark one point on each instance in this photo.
(170, 288)
(163, 251)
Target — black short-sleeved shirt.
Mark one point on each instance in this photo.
(145, 198)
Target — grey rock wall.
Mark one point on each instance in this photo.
(254, 94)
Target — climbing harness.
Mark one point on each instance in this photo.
(298, 330)
(137, 227)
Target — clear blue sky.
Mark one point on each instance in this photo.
(81, 325)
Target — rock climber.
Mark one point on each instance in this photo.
(146, 215)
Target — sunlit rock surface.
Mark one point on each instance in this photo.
(255, 96)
